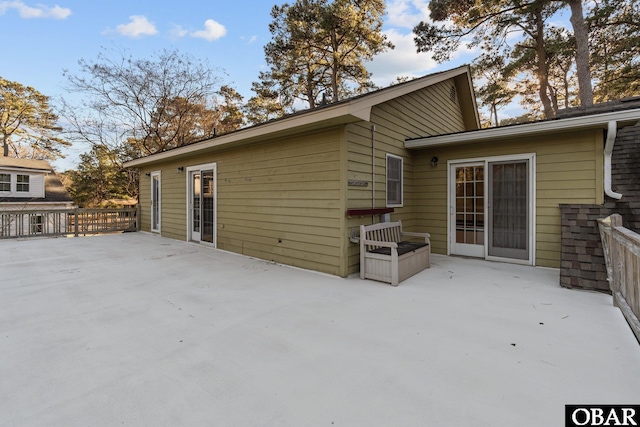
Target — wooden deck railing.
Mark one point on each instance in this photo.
(66, 222)
(622, 254)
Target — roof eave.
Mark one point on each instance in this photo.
(22, 169)
(341, 114)
(358, 109)
(594, 121)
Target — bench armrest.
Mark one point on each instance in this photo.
(379, 243)
(426, 236)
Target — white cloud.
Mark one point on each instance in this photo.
(139, 26)
(403, 61)
(249, 40)
(407, 13)
(212, 31)
(177, 31)
(28, 12)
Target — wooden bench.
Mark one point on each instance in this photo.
(386, 256)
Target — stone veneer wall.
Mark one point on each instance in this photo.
(582, 258)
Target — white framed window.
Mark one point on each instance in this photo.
(394, 180)
(22, 183)
(155, 201)
(5, 182)
(35, 221)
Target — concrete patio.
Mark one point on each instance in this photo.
(139, 330)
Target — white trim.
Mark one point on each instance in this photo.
(386, 181)
(531, 157)
(198, 168)
(152, 175)
(608, 152)
(465, 249)
(36, 184)
(594, 121)
(25, 170)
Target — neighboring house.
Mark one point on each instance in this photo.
(296, 189)
(29, 186)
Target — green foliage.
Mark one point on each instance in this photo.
(318, 50)
(100, 178)
(489, 25)
(28, 125)
(266, 104)
(615, 53)
(541, 62)
(525, 118)
(495, 90)
(232, 115)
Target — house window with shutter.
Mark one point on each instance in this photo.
(394, 181)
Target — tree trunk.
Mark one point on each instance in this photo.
(335, 66)
(494, 110)
(583, 69)
(5, 146)
(543, 72)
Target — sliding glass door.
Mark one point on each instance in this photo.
(491, 209)
(509, 209)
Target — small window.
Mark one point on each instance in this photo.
(22, 183)
(394, 180)
(36, 224)
(5, 182)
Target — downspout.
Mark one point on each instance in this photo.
(608, 151)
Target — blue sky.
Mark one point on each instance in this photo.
(41, 38)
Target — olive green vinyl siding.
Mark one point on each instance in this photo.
(145, 202)
(569, 169)
(279, 200)
(429, 111)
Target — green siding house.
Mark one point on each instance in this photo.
(295, 190)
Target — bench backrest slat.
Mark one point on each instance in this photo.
(383, 232)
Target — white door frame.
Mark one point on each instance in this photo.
(189, 201)
(451, 164)
(153, 175)
(463, 249)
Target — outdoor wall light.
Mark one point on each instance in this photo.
(147, 174)
(180, 169)
(434, 161)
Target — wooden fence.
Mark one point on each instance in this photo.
(66, 222)
(622, 254)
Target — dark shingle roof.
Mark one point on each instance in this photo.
(603, 107)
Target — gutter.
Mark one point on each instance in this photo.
(612, 131)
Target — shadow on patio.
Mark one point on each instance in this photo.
(136, 329)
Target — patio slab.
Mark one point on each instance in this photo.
(135, 329)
